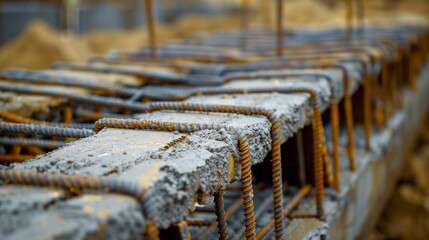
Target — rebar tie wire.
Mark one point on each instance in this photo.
(245, 160)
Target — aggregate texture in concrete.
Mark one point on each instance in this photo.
(193, 170)
(40, 215)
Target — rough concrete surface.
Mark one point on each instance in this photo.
(197, 165)
(192, 170)
(108, 216)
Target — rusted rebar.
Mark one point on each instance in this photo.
(108, 184)
(348, 107)
(15, 118)
(53, 78)
(103, 101)
(32, 142)
(316, 121)
(275, 152)
(349, 18)
(150, 28)
(279, 28)
(32, 129)
(220, 216)
(245, 162)
(287, 208)
(334, 114)
(317, 124)
(10, 158)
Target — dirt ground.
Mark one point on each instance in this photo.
(406, 216)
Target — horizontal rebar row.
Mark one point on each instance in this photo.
(33, 129)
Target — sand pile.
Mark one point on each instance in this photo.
(309, 13)
(39, 46)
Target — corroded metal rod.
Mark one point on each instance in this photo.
(150, 28)
(287, 208)
(9, 158)
(32, 142)
(12, 117)
(245, 162)
(32, 129)
(220, 216)
(275, 151)
(104, 101)
(317, 124)
(279, 27)
(109, 184)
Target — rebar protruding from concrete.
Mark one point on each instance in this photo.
(279, 28)
(32, 129)
(103, 101)
(245, 162)
(150, 28)
(334, 115)
(41, 77)
(15, 118)
(317, 125)
(51, 144)
(11, 158)
(220, 216)
(109, 184)
(275, 150)
(287, 208)
(349, 18)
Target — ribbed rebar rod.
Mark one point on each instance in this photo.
(103, 101)
(348, 108)
(244, 23)
(32, 129)
(10, 158)
(316, 122)
(12, 117)
(40, 77)
(32, 142)
(279, 28)
(245, 161)
(333, 108)
(287, 208)
(220, 216)
(108, 184)
(150, 28)
(275, 151)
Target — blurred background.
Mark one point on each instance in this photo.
(33, 34)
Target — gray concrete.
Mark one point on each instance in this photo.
(192, 170)
(109, 216)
